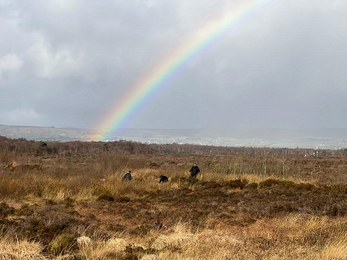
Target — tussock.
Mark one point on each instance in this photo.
(180, 237)
(116, 244)
(336, 249)
(20, 249)
(84, 241)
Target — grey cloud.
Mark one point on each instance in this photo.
(67, 63)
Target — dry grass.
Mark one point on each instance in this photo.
(240, 206)
(291, 237)
(12, 248)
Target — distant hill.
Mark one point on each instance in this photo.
(46, 133)
(232, 137)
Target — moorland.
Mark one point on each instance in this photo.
(67, 200)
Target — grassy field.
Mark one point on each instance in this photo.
(68, 201)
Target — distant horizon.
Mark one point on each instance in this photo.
(332, 138)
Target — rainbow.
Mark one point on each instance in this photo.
(141, 92)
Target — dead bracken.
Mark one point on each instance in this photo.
(248, 205)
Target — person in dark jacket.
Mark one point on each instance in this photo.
(127, 176)
(194, 171)
(163, 178)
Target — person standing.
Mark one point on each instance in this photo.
(194, 171)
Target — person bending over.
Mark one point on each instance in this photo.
(127, 176)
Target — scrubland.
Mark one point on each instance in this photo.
(68, 201)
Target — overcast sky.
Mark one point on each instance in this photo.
(67, 63)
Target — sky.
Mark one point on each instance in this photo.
(68, 63)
